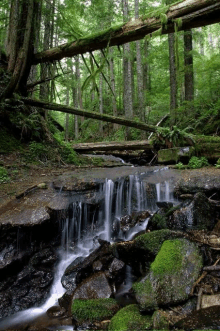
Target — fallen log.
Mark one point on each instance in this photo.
(185, 14)
(112, 146)
(89, 114)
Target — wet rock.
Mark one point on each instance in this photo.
(93, 287)
(171, 276)
(56, 312)
(199, 214)
(31, 286)
(68, 280)
(164, 205)
(206, 318)
(65, 300)
(81, 269)
(129, 221)
(116, 266)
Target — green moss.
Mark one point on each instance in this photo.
(169, 258)
(129, 318)
(93, 310)
(152, 241)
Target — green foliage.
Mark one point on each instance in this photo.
(93, 309)
(29, 124)
(129, 318)
(69, 155)
(197, 162)
(4, 178)
(180, 166)
(217, 165)
(176, 136)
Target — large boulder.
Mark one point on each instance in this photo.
(171, 276)
(143, 249)
(198, 214)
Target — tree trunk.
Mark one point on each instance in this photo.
(188, 60)
(101, 101)
(20, 61)
(127, 74)
(112, 78)
(89, 114)
(140, 79)
(192, 13)
(67, 115)
(173, 79)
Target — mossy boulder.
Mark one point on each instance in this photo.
(171, 276)
(151, 242)
(173, 155)
(160, 320)
(142, 250)
(129, 318)
(94, 310)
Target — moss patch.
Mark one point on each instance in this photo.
(93, 310)
(129, 318)
(169, 258)
(152, 241)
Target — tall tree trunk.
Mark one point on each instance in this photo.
(45, 87)
(79, 91)
(173, 78)
(188, 60)
(101, 101)
(67, 115)
(127, 73)
(12, 40)
(112, 78)
(140, 79)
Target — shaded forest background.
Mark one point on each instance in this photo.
(175, 74)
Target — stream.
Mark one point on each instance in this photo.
(136, 192)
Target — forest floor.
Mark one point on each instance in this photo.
(23, 176)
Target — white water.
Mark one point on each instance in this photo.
(121, 198)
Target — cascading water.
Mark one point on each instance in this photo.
(81, 227)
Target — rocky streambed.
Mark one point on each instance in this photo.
(134, 257)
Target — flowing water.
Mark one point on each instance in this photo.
(79, 230)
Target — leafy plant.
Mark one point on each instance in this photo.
(217, 165)
(180, 166)
(4, 178)
(198, 162)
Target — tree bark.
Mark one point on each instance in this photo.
(112, 78)
(188, 60)
(127, 74)
(173, 78)
(194, 13)
(140, 79)
(89, 114)
(113, 146)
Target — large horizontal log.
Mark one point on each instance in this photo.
(89, 114)
(191, 14)
(112, 146)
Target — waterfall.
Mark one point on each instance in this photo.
(83, 224)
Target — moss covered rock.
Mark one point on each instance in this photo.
(152, 241)
(171, 276)
(93, 310)
(129, 318)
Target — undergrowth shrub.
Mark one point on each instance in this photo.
(198, 162)
(4, 178)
